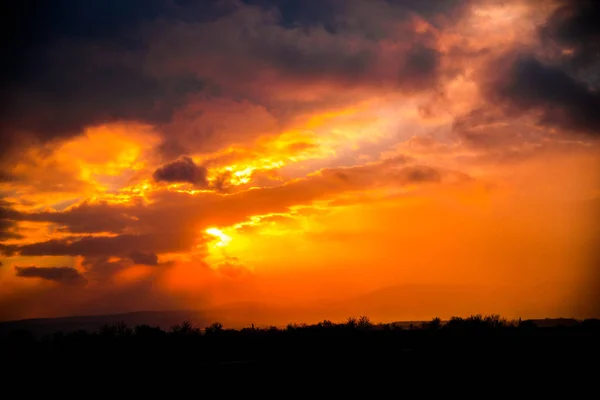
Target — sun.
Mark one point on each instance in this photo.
(223, 238)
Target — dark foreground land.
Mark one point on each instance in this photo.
(485, 353)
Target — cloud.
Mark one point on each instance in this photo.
(173, 221)
(63, 275)
(232, 268)
(563, 101)
(7, 230)
(152, 59)
(144, 258)
(285, 113)
(553, 77)
(8, 222)
(103, 81)
(103, 297)
(122, 245)
(573, 29)
(207, 124)
(101, 268)
(421, 68)
(421, 174)
(181, 170)
(357, 15)
(86, 217)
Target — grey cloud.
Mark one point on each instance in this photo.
(8, 230)
(70, 65)
(144, 258)
(558, 81)
(421, 174)
(122, 245)
(574, 26)
(182, 170)
(421, 68)
(563, 101)
(83, 218)
(484, 128)
(358, 15)
(91, 218)
(101, 268)
(76, 66)
(8, 224)
(63, 275)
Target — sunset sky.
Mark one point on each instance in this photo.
(440, 156)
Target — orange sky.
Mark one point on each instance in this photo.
(407, 163)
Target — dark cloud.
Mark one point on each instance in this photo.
(171, 215)
(63, 275)
(318, 61)
(421, 174)
(144, 258)
(122, 245)
(70, 65)
(485, 129)
(563, 101)
(90, 218)
(430, 9)
(7, 211)
(421, 68)
(8, 230)
(101, 268)
(574, 27)
(558, 81)
(339, 40)
(86, 217)
(182, 170)
(339, 15)
(301, 13)
(8, 224)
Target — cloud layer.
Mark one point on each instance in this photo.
(186, 154)
(64, 275)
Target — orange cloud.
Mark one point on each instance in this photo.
(388, 156)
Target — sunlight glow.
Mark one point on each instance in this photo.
(241, 174)
(223, 238)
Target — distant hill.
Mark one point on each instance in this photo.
(402, 304)
(166, 319)
(162, 319)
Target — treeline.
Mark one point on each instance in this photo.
(475, 324)
(355, 348)
(433, 333)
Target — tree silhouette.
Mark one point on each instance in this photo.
(364, 322)
(354, 343)
(214, 329)
(433, 325)
(351, 322)
(185, 329)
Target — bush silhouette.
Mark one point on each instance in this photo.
(185, 329)
(214, 329)
(356, 342)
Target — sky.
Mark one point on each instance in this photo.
(409, 159)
